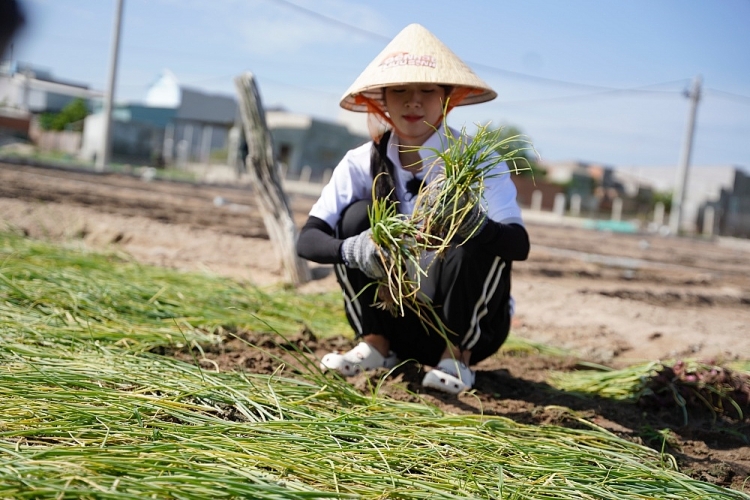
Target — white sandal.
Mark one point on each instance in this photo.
(449, 376)
(363, 357)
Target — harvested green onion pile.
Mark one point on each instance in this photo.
(54, 294)
(684, 384)
(87, 412)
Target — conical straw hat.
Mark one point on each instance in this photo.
(415, 56)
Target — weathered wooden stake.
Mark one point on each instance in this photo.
(261, 166)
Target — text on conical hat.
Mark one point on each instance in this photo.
(407, 59)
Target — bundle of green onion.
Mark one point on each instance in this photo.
(440, 209)
(467, 161)
(396, 237)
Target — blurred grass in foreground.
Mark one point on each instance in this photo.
(50, 292)
(87, 412)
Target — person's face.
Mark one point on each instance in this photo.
(415, 109)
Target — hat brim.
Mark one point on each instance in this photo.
(352, 102)
(415, 56)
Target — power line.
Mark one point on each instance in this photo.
(486, 67)
(537, 79)
(605, 90)
(728, 95)
(601, 91)
(331, 20)
(605, 93)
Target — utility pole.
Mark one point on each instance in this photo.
(678, 198)
(102, 160)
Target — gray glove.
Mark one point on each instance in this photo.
(472, 223)
(361, 252)
(443, 213)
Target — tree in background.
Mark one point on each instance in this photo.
(523, 143)
(664, 198)
(69, 118)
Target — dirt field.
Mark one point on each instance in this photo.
(608, 298)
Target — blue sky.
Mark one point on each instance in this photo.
(591, 80)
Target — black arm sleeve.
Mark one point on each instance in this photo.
(509, 241)
(317, 243)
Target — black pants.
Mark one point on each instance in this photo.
(472, 299)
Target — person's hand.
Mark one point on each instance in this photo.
(361, 252)
(461, 216)
(472, 223)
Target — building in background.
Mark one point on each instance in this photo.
(705, 183)
(27, 91)
(723, 188)
(137, 134)
(729, 213)
(175, 125)
(201, 122)
(308, 148)
(34, 90)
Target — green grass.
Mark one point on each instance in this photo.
(86, 411)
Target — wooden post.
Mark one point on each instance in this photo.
(261, 168)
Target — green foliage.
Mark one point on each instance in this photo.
(514, 139)
(665, 198)
(69, 118)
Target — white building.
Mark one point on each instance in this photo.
(33, 90)
(176, 124)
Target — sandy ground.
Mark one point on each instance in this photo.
(609, 298)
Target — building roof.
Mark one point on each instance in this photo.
(207, 108)
(37, 73)
(164, 92)
(191, 104)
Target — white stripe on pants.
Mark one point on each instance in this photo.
(481, 309)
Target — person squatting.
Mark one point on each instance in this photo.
(407, 91)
